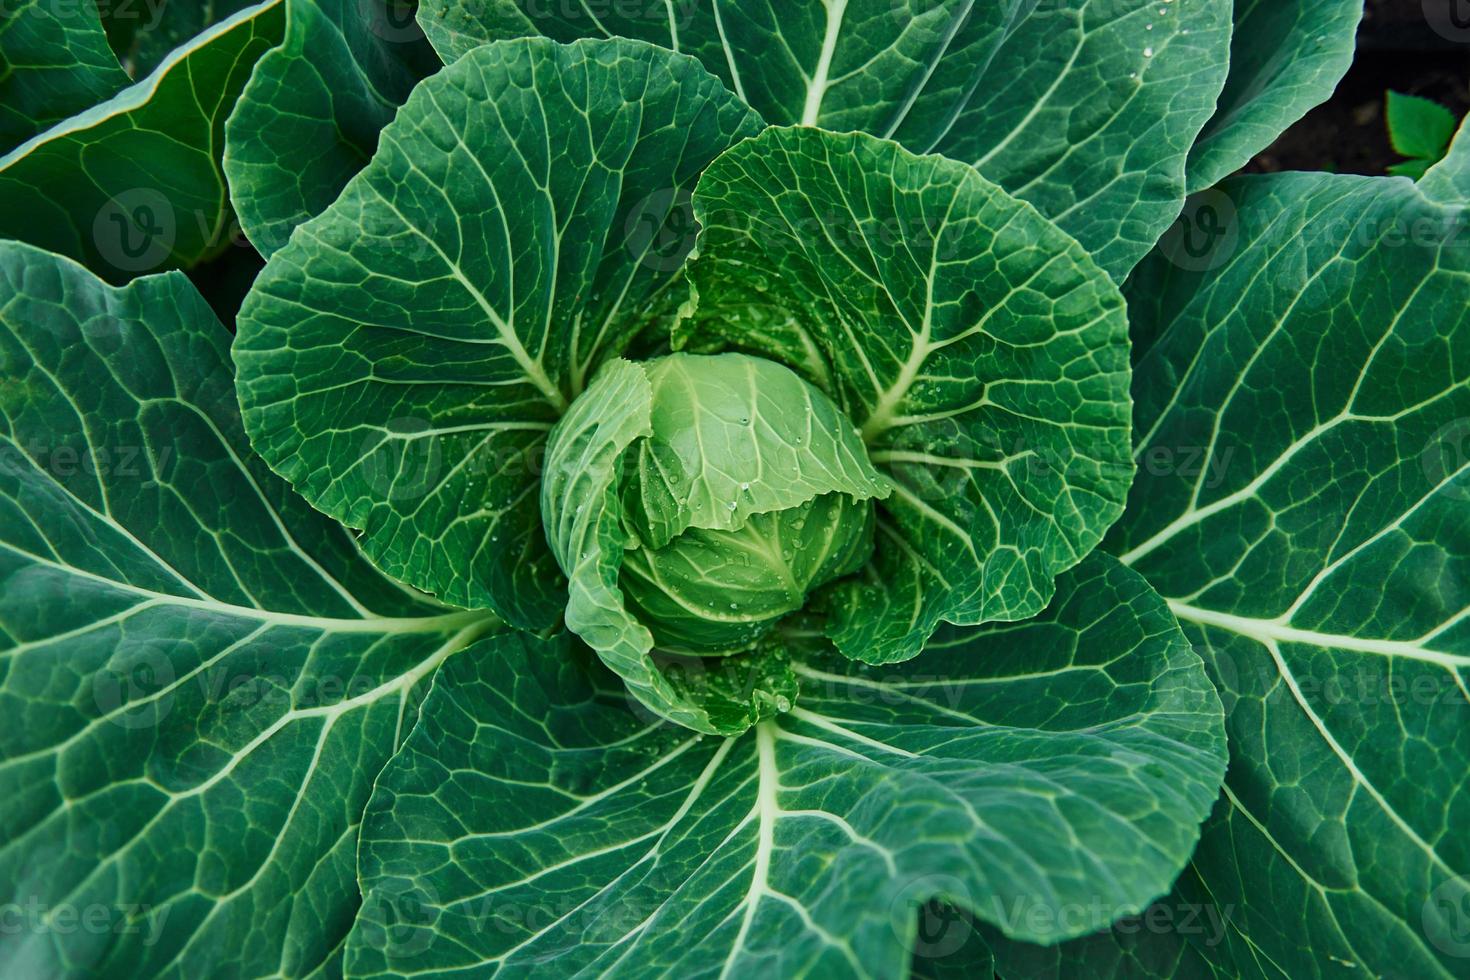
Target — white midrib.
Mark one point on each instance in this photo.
(1347, 761)
(1311, 881)
(1280, 631)
(959, 17)
(695, 792)
(1272, 634)
(1195, 515)
(152, 598)
(505, 331)
(729, 54)
(767, 808)
(673, 26)
(398, 686)
(882, 415)
(816, 89)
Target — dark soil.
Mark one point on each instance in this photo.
(225, 279)
(1397, 49)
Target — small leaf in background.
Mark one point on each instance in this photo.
(1419, 129)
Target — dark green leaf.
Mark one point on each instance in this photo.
(980, 351)
(201, 676)
(1085, 108)
(1018, 771)
(133, 185)
(1302, 427)
(54, 62)
(310, 117)
(1285, 58)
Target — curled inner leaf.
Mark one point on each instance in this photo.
(693, 502)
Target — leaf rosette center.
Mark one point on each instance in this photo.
(745, 489)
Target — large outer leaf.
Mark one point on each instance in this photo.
(1085, 108)
(200, 676)
(309, 118)
(1285, 58)
(981, 352)
(403, 358)
(1304, 504)
(134, 185)
(1018, 771)
(54, 61)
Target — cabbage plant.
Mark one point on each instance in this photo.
(723, 488)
